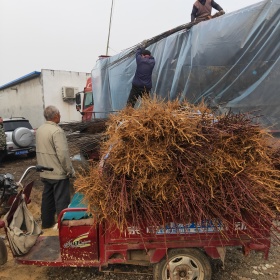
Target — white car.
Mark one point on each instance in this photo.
(20, 137)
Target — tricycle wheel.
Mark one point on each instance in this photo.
(183, 264)
(3, 252)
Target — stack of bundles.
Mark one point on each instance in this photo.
(168, 161)
(93, 126)
(84, 143)
(85, 137)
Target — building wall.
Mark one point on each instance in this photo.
(23, 100)
(29, 98)
(53, 81)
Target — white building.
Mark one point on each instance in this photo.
(28, 96)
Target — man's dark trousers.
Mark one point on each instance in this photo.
(135, 92)
(3, 154)
(55, 198)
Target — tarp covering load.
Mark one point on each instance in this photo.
(171, 162)
(231, 62)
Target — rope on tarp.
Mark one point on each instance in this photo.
(131, 51)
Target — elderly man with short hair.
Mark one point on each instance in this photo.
(52, 151)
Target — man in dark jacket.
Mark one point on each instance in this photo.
(142, 81)
(202, 10)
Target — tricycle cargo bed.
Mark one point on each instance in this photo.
(46, 252)
(85, 243)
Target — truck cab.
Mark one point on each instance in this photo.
(86, 106)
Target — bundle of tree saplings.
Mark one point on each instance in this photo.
(172, 161)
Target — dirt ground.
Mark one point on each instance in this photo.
(236, 265)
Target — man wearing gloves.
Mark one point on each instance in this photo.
(52, 151)
(202, 10)
(142, 81)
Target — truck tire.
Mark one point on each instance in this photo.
(3, 252)
(183, 264)
(22, 137)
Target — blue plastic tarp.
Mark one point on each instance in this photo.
(230, 62)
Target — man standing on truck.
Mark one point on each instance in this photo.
(3, 150)
(202, 10)
(52, 151)
(142, 81)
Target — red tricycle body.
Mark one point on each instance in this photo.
(181, 250)
(177, 251)
(84, 242)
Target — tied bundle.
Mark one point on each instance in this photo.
(85, 137)
(172, 161)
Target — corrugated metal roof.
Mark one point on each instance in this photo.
(27, 77)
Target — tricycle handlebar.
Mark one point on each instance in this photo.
(41, 168)
(38, 168)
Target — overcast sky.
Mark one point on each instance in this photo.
(71, 34)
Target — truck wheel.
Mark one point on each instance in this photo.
(183, 264)
(3, 252)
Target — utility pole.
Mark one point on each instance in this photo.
(109, 27)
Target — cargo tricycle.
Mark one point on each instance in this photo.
(176, 251)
